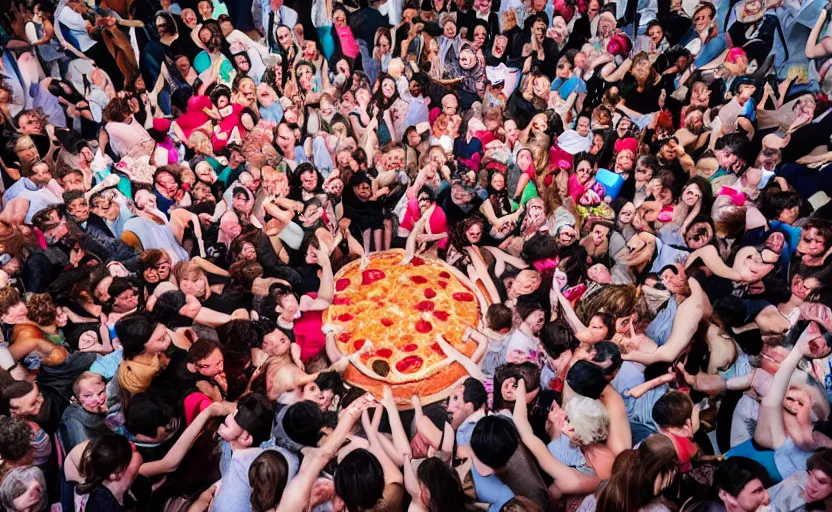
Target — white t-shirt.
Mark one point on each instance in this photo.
(77, 27)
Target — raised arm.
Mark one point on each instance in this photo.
(400, 441)
(424, 425)
(326, 293)
(620, 436)
(177, 452)
(771, 428)
(568, 480)
(710, 257)
(296, 494)
(685, 324)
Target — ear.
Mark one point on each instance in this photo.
(245, 439)
(191, 367)
(727, 498)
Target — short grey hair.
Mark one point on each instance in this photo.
(17, 481)
(590, 420)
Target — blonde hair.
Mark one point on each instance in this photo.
(76, 386)
(201, 143)
(590, 420)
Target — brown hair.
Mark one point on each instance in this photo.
(9, 297)
(42, 310)
(267, 476)
(152, 257)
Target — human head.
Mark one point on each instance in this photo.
(138, 334)
(250, 425)
(109, 457)
(359, 481)
(674, 410)
(205, 357)
(493, 441)
(23, 489)
(267, 476)
(586, 379)
(466, 399)
(740, 484)
(819, 482)
(15, 436)
(440, 486)
(23, 398)
(89, 391)
(586, 422)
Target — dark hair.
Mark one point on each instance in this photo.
(673, 409)
(498, 317)
(120, 285)
(103, 456)
(166, 309)
(474, 393)
(494, 440)
(733, 474)
(15, 436)
(302, 422)
(201, 349)
(586, 379)
(267, 476)
(145, 413)
(539, 247)
(607, 319)
(557, 338)
(133, 332)
(774, 201)
(332, 381)
(359, 480)
(528, 371)
(735, 143)
(446, 493)
(255, 415)
(607, 351)
(428, 192)
(526, 305)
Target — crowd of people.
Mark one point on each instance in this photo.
(640, 188)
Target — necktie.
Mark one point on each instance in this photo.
(271, 37)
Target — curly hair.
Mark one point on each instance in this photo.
(42, 310)
(590, 420)
(15, 435)
(458, 236)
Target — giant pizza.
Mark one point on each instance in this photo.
(387, 317)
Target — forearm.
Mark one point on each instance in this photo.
(620, 436)
(429, 431)
(400, 440)
(178, 451)
(211, 318)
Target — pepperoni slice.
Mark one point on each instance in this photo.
(384, 352)
(430, 293)
(463, 297)
(441, 315)
(345, 317)
(341, 285)
(423, 326)
(436, 348)
(425, 305)
(372, 275)
(386, 322)
(410, 347)
(419, 279)
(344, 337)
(341, 301)
(409, 364)
(417, 261)
(443, 284)
(357, 344)
(444, 275)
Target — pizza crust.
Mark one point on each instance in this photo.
(436, 379)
